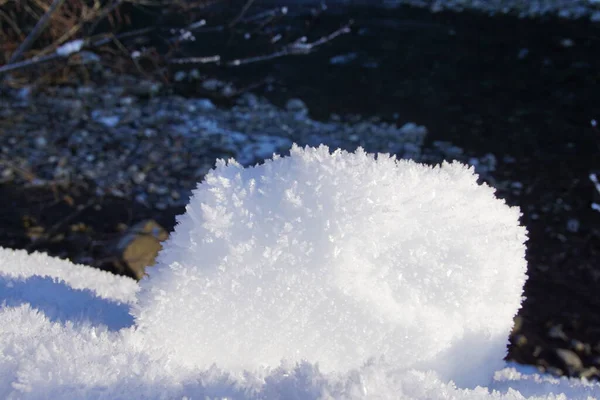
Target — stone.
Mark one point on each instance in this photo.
(296, 105)
(520, 340)
(556, 332)
(591, 372)
(580, 347)
(139, 246)
(518, 324)
(571, 361)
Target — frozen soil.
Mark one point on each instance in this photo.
(514, 97)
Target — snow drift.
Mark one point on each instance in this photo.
(313, 276)
(338, 259)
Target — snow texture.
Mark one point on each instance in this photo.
(364, 246)
(337, 259)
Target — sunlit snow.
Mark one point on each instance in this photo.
(314, 276)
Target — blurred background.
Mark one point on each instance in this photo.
(111, 112)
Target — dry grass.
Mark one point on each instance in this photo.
(34, 29)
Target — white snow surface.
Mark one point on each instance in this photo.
(337, 258)
(331, 265)
(74, 46)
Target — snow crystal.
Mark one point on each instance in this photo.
(338, 259)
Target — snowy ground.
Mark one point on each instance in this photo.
(370, 278)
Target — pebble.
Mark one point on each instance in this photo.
(40, 142)
(590, 372)
(134, 140)
(212, 84)
(520, 340)
(139, 177)
(296, 105)
(580, 347)
(571, 360)
(573, 225)
(180, 76)
(138, 247)
(556, 332)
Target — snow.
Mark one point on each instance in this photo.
(74, 46)
(314, 276)
(337, 259)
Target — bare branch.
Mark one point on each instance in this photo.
(37, 30)
(267, 14)
(196, 60)
(105, 12)
(27, 63)
(241, 14)
(58, 54)
(110, 37)
(298, 47)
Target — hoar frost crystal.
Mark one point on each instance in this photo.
(339, 258)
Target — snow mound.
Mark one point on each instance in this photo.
(19, 266)
(337, 259)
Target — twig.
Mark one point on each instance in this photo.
(241, 14)
(196, 25)
(103, 15)
(56, 55)
(110, 37)
(37, 30)
(48, 234)
(27, 175)
(12, 23)
(28, 63)
(196, 60)
(267, 14)
(298, 47)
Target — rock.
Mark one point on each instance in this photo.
(518, 324)
(573, 225)
(249, 100)
(591, 372)
(212, 84)
(571, 361)
(180, 76)
(199, 105)
(296, 106)
(556, 332)
(40, 142)
(145, 88)
(580, 347)
(121, 136)
(140, 245)
(109, 121)
(554, 371)
(520, 340)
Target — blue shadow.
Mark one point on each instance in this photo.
(61, 303)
